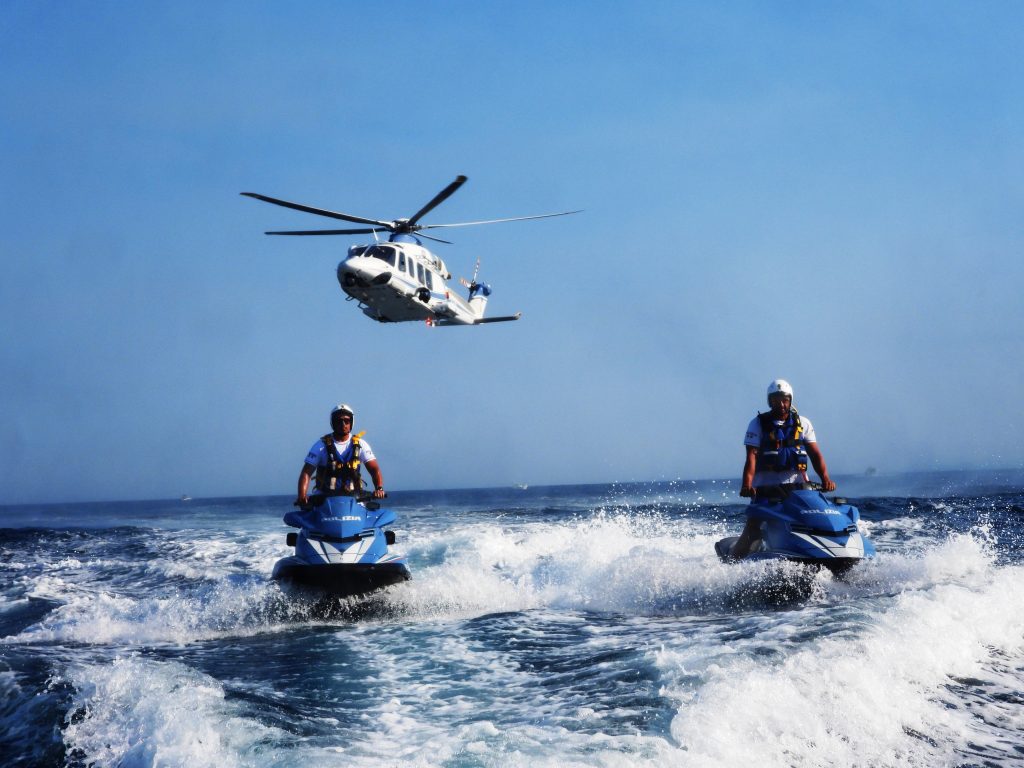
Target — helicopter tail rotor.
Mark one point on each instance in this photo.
(478, 292)
(476, 271)
(472, 284)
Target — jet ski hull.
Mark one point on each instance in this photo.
(340, 579)
(341, 548)
(803, 526)
(836, 565)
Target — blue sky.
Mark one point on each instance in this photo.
(830, 193)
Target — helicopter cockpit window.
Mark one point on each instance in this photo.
(382, 252)
(357, 250)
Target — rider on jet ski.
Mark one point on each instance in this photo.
(342, 547)
(779, 445)
(336, 458)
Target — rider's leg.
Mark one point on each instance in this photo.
(751, 532)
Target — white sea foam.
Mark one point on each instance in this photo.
(203, 587)
(876, 698)
(451, 700)
(108, 618)
(865, 665)
(210, 586)
(139, 712)
(871, 689)
(214, 557)
(609, 562)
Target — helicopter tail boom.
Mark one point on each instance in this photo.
(503, 319)
(441, 322)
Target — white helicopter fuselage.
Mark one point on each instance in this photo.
(400, 280)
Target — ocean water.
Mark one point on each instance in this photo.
(557, 626)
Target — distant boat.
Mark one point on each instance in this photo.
(186, 497)
(520, 486)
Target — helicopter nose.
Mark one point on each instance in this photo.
(363, 272)
(349, 276)
(354, 267)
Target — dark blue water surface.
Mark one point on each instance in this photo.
(555, 626)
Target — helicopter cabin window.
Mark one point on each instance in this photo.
(401, 262)
(419, 273)
(382, 252)
(430, 280)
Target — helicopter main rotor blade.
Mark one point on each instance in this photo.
(435, 239)
(496, 221)
(321, 211)
(439, 198)
(325, 232)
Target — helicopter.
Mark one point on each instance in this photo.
(401, 280)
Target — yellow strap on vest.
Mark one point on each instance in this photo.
(354, 463)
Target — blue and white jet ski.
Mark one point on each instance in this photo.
(341, 548)
(804, 526)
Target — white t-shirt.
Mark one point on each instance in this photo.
(767, 477)
(317, 455)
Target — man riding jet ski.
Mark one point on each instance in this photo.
(336, 458)
(341, 547)
(789, 517)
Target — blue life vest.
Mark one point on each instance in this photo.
(341, 477)
(782, 445)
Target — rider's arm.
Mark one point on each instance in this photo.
(818, 462)
(749, 468)
(307, 472)
(378, 481)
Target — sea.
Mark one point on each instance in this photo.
(544, 626)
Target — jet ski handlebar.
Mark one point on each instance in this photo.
(780, 492)
(314, 501)
(776, 493)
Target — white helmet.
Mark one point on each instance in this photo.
(779, 386)
(344, 408)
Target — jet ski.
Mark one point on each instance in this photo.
(804, 526)
(341, 548)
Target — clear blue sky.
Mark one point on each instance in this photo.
(826, 192)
